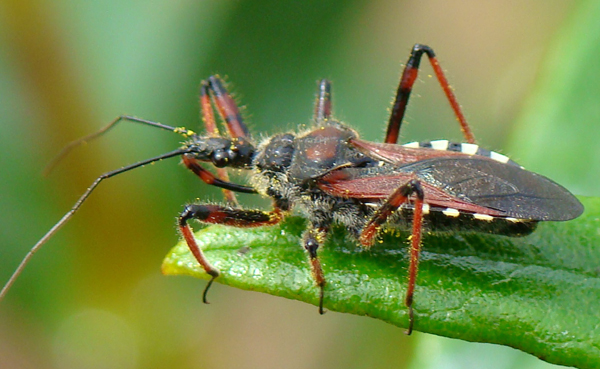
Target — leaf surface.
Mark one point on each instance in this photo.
(538, 293)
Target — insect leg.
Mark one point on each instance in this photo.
(369, 232)
(225, 215)
(314, 237)
(227, 108)
(409, 75)
(208, 118)
(76, 207)
(323, 103)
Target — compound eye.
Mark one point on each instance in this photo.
(220, 159)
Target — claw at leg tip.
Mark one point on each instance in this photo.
(321, 296)
(411, 321)
(205, 293)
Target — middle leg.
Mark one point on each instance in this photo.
(323, 103)
(312, 239)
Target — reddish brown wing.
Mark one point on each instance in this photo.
(472, 183)
(355, 183)
(345, 183)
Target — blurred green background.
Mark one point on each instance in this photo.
(94, 296)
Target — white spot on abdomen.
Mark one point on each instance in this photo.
(439, 145)
(499, 157)
(468, 148)
(449, 212)
(485, 217)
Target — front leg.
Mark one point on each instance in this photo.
(225, 215)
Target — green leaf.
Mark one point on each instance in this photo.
(539, 293)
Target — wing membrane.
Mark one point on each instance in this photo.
(465, 182)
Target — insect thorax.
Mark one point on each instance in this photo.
(287, 167)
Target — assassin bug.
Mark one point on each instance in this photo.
(332, 176)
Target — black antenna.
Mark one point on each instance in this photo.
(76, 207)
